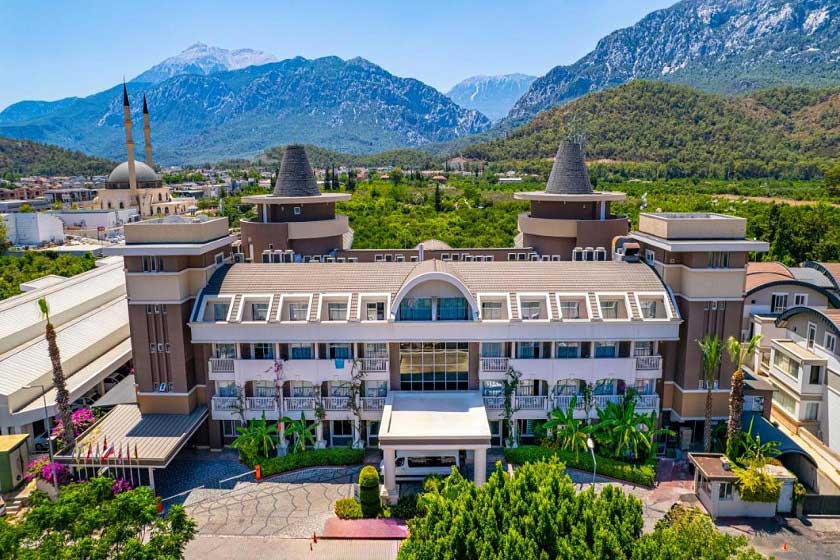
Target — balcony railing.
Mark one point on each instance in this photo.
(496, 403)
(647, 363)
(373, 403)
(221, 365)
(226, 404)
(600, 401)
(495, 365)
(563, 401)
(647, 402)
(299, 403)
(336, 403)
(261, 403)
(530, 402)
(374, 365)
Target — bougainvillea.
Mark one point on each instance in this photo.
(120, 485)
(82, 419)
(41, 468)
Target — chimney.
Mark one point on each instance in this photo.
(147, 132)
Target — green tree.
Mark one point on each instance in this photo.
(711, 349)
(89, 521)
(437, 198)
(62, 396)
(832, 180)
(300, 431)
(396, 175)
(568, 432)
(738, 354)
(257, 439)
(26, 208)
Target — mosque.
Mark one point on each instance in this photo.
(134, 184)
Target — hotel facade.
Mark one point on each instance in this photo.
(411, 350)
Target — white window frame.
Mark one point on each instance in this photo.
(295, 297)
(330, 298)
(804, 300)
(828, 336)
(773, 301)
(627, 307)
(373, 297)
(810, 345)
(668, 312)
(559, 296)
(531, 296)
(494, 296)
(650, 257)
(245, 302)
(219, 259)
(214, 299)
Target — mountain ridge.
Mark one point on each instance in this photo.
(203, 59)
(493, 95)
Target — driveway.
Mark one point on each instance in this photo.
(289, 505)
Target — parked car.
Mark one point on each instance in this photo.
(42, 442)
(420, 464)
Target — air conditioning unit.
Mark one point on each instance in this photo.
(239, 257)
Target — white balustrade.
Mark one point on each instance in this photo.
(530, 402)
(650, 402)
(373, 403)
(221, 365)
(494, 364)
(497, 403)
(374, 365)
(336, 403)
(226, 404)
(299, 403)
(647, 363)
(261, 403)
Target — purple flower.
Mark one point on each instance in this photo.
(120, 485)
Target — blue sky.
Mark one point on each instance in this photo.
(51, 49)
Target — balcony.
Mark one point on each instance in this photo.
(314, 371)
(495, 403)
(299, 404)
(373, 403)
(221, 366)
(590, 369)
(643, 402)
(374, 365)
(225, 404)
(648, 363)
(261, 404)
(494, 365)
(336, 403)
(530, 402)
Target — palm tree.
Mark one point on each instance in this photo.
(712, 349)
(569, 432)
(62, 397)
(651, 433)
(256, 439)
(618, 427)
(301, 432)
(738, 354)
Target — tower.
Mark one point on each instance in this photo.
(129, 146)
(147, 133)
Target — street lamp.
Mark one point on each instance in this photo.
(591, 445)
(49, 430)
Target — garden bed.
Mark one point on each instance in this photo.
(333, 457)
(643, 474)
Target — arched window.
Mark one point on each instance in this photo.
(121, 205)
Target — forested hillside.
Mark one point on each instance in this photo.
(657, 129)
(22, 157)
(407, 158)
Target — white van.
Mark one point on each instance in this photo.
(420, 464)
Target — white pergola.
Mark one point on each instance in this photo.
(433, 421)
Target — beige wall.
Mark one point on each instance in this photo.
(154, 231)
(713, 227)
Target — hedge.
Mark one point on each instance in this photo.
(334, 456)
(644, 474)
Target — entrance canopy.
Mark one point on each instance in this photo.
(436, 420)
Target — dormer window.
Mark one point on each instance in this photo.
(609, 309)
(216, 309)
(294, 308)
(570, 309)
(259, 311)
(255, 308)
(452, 309)
(491, 310)
(652, 306)
(533, 307)
(416, 309)
(336, 311)
(374, 307)
(375, 311)
(220, 311)
(612, 307)
(298, 311)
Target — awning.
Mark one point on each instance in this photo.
(123, 392)
(448, 419)
(762, 428)
(151, 440)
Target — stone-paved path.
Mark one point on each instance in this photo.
(290, 505)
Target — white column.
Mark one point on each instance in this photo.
(480, 466)
(151, 478)
(319, 435)
(389, 456)
(603, 211)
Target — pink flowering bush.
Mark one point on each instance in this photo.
(120, 485)
(82, 419)
(41, 468)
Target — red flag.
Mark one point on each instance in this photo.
(136, 454)
(90, 447)
(108, 452)
(119, 453)
(128, 453)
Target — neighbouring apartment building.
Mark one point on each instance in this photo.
(410, 349)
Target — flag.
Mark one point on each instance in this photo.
(89, 448)
(128, 453)
(108, 452)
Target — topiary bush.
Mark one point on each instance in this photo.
(369, 492)
(348, 508)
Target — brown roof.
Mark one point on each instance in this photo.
(710, 465)
(761, 273)
(832, 315)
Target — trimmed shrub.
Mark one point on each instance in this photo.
(333, 456)
(644, 474)
(348, 508)
(369, 491)
(755, 484)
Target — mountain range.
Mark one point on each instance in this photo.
(725, 46)
(492, 95)
(351, 105)
(203, 60)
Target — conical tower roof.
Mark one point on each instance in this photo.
(569, 174)
(296, 177)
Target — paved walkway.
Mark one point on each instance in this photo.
(205, 547)
(289, 505)
(192, 468)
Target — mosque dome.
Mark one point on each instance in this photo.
(146, 177)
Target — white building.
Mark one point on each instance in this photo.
(33, 229)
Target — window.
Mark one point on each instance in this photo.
(648, 309)
(567, 350)
(220, 257)
(810, 410)
(224, 351)
(263, 351)
(718, 260)
(339, 351)
(800, 299)
(226, 389)
(528, 350)
(297, 210)
(376, 388)
(645, 386)
(491, 310)
(453, 309)
(152, 264)
(605, 387)
(375, 311)
(606, 349)
(376, 350)
(298, 311)
(415, 309)
(570, 309)
(784, 401)
(301, 351)
(229, 428)
(650, 256)
(814, 375)
(531, 310)
(812, 334)
(725, 492)
(149, 309)
(434, 366)
(220, 311)
(830, 342)
(259, 311)
(786, 364)
(302, 389)
(492, 349)
(152, 347)
(609, 309)
(569, 387)
(336, 311)
(778, 303)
